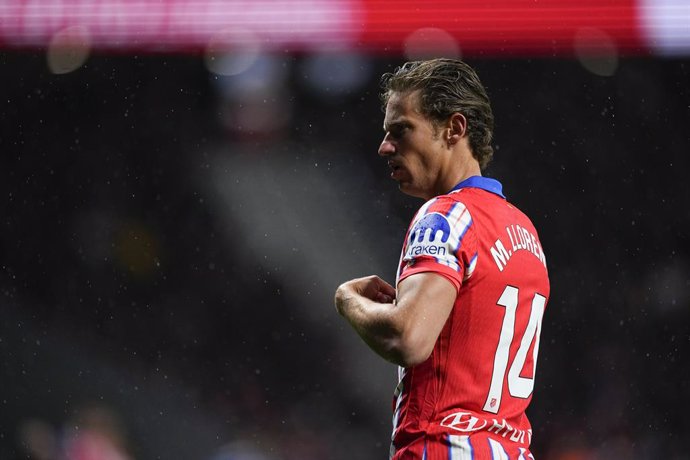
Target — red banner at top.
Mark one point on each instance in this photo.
(468, 27)
(505, 27)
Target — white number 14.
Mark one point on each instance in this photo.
(518, 387)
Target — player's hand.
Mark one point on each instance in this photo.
(372, 287)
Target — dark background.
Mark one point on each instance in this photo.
(171, 270)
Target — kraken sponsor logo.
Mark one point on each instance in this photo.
(429, 236)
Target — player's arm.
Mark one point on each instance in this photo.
(402, 329)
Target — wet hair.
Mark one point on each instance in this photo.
(447, 86)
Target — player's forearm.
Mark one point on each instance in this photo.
(378, 324)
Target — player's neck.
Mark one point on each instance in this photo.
(456, 175)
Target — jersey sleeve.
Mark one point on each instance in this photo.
(441, 239)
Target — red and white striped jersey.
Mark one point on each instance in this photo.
(473, 390)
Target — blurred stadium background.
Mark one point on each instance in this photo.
(184, 184)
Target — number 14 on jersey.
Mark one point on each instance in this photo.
(518, 387)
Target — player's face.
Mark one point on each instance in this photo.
(412, 146)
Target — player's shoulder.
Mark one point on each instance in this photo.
(478, 202)
(516, 213)
(443, 204)
(466, 199)
(474, 194)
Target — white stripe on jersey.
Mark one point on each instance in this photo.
(399, 394)
(459, 448)
(460, 220)
(471, 267)
(422, 211)
(497, 450)
(522, 454)
(462, 225)
(455, 214)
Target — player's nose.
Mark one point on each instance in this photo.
(386, 148)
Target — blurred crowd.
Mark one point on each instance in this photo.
(171, 239)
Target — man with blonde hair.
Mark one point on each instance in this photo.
(464, 317)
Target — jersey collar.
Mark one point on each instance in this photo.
(484, 183)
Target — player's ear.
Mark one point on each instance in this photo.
(457, 128)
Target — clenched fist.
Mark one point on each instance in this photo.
(371, 287)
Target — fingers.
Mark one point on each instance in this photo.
(385, 287)
(384, 298)
(371, 287)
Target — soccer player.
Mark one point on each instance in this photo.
(464, 318)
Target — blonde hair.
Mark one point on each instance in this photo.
(447, 86)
